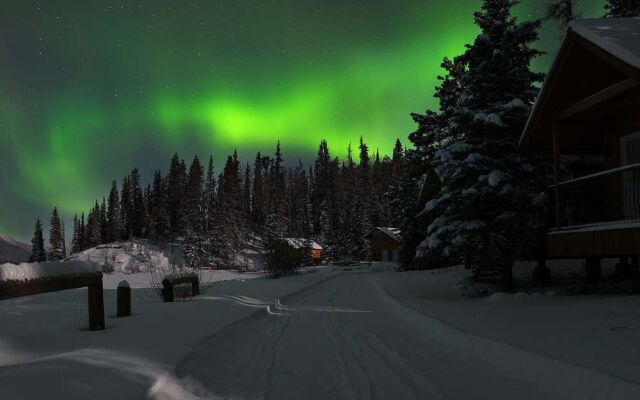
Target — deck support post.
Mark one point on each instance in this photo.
(556, 172)
(594, 269)
(623, 268)
(96, 306)
(542, 273)
(635, 274)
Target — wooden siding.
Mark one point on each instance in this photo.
(600, 242)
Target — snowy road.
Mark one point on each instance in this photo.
(347, 338)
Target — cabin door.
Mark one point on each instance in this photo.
(630, 154)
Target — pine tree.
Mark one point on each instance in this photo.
(562, 11)
(175, 187)
(76, 241)
(257, 199)
(103, 221)
(228, 234)
(95, 224)
(38, 253)
(159, 214)
(55, 237)
(622, 8)
(126, 208)
(64, 241)
(82, 236)
(489, 191)
(114, 215)
(210, 196)
(402, 195)
(246, 194)
(194, 217)
(364, 209)
(138, 211)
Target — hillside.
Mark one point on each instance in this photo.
(12, 251)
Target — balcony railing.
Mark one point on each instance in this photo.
(605, 197)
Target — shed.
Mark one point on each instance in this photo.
(384, 243)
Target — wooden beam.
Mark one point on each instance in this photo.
(598, 98)
(556, 171)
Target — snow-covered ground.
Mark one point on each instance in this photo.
(330, 333)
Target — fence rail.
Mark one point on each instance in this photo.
(604, 197)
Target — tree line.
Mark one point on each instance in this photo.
(334, 201)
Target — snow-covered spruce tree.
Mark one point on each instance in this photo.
(158, 213)
(227, 234)
(38, 253)
(210, 196)
(622, 8)
(64, 240)
(257, 197)
(196, 252)
(75, 239)
(432, 131)
(55, 237)
(138, 212)
(363, 212)
(82, 236)
(95, 226)
(403, 194)
(175, 187)
(114, 215)
(103, 221)
(489, 191)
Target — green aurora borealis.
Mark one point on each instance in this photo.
(90, 89)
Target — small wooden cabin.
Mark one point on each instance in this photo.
(590, 106)
(384, 243)
(299, 244)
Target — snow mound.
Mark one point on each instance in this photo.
(127, 257)
(31, 271)
(499, 297)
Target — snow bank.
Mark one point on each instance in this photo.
(31, 271)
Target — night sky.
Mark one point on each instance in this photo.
(90, 89)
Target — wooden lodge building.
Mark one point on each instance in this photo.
(590, 106)
(384, 243)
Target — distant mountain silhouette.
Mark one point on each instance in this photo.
(12, 251)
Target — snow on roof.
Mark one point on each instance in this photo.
(393, 233)
(618, 36)
(30, 271)
(298, 243)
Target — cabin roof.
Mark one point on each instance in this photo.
(298, 243)
(595, 54)
(393, 233)
(618, 36)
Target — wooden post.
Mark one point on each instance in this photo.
(195, 287)
(167, 291)
(556, 171)
(124, 300)
(96, 306)
(594, 269)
